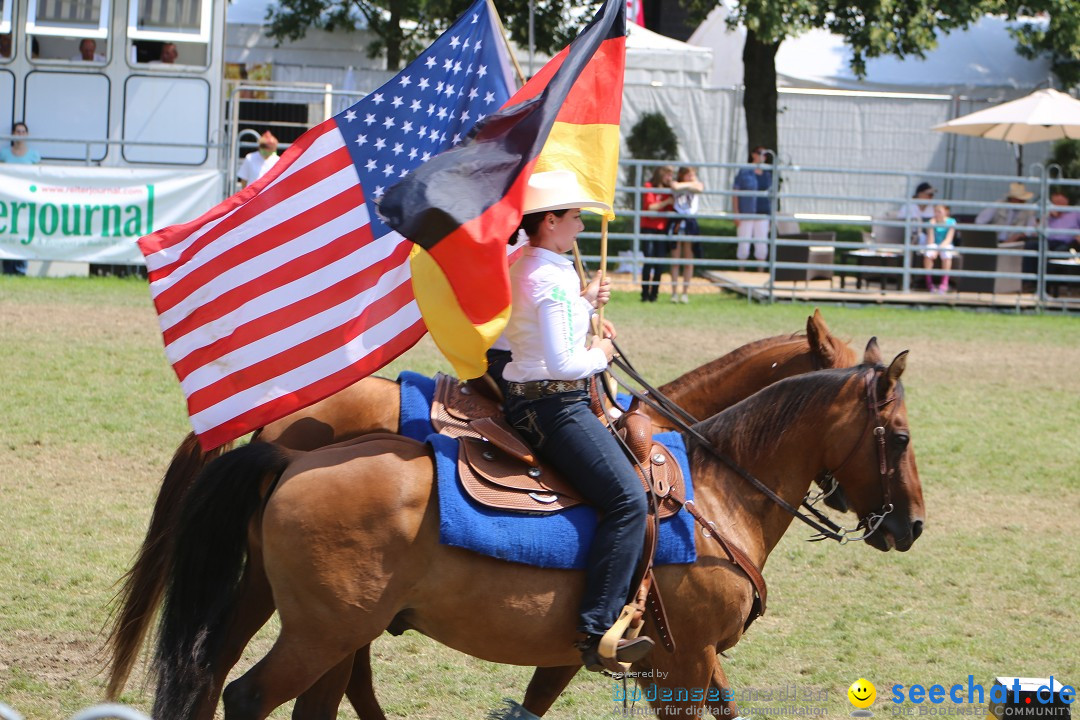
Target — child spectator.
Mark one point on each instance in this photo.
(687, 189)
(939, 244)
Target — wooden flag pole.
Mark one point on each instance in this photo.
(506, 41)
(580, 267)
(603, 260)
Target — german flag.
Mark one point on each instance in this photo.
(462, 206)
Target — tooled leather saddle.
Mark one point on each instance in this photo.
(497, 469)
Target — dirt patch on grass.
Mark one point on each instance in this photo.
(77, 322)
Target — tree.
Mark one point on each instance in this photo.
(1058, 37)
(651, 138)
(871, 28)
(403, 28)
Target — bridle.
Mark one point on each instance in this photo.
(826, 528)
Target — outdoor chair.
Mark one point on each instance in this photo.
(808, 255)
(990, 263)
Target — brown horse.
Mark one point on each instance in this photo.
(348, 555)
(373, 405)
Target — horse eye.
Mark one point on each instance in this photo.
(901, 439)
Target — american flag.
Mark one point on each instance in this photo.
(293, 288)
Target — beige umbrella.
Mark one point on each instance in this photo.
(1042, 116)
(1039, 117)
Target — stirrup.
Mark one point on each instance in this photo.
(609, 643)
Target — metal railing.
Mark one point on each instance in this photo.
(783, 210)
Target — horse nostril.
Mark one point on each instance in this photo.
(916, 529)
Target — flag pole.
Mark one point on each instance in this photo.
(580, 267)
(506, 41)
(603, 259)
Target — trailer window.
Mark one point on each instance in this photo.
(170, 20)
(68, 18)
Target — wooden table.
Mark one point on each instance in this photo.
(871, 258)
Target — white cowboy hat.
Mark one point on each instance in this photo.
(1017, 191)
(558, 190)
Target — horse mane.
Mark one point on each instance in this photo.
(752, 426)
(722, 363)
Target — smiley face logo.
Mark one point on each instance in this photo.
(862, 693)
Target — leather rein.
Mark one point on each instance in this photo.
(826, 529)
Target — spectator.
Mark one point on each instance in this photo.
(760, 180)
(1062, 231)
(687, 189)
(169, 54)
(1021, 218)
(941, 234)
(1062, 226)
(259, 162)
(919, 210)
(88, 52)
(655, 202)
(20, 154)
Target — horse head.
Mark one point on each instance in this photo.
(878, 475)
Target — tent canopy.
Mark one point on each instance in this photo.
(982, 56)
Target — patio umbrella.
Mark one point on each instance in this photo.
(1042, 116)
(1039, 117)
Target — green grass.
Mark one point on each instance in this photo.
(90, 414)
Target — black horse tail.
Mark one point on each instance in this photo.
(208, 557)
(135, 604)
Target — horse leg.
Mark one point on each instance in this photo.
(361, 690)
(725, 706)
(298, 659)
(682, 682)
(321, 700)
(545, 687)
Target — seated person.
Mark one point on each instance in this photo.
(1062, 226)
(5, 45)
(169, 53)
(88, 52)
(1021, 218)
(942, 233)
(920, 208)
(1062, 231)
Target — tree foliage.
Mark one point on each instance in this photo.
(652, 138)
(1066, 155)
(1058, 37)
(874, 28)
(403, 28)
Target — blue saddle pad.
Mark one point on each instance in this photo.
(552, 540)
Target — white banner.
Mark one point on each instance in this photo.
(94, 214)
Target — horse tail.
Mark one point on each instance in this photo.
(134, 605)
(208, 556)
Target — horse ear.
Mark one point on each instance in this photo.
(888, 380)
(872, 356)
(817, 337)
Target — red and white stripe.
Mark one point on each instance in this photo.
(280, 296)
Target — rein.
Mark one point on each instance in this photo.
(842, 535)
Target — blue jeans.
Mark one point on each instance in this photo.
(563, 431)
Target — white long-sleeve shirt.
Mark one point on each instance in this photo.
(549, 321)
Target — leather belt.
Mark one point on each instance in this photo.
(538, 388)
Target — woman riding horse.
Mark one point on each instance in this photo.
(548, 400)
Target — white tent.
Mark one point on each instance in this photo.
(654, 59)
(980, 60)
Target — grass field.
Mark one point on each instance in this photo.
(90, 414)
